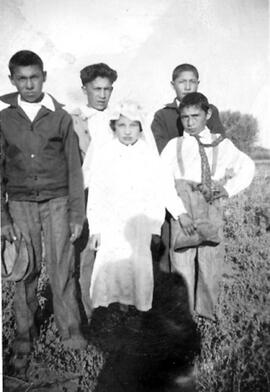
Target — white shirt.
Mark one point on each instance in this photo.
(99, 130)
(32, 108)
(98, 125)
(229, 160)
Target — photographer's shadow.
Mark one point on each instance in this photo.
(156, 349)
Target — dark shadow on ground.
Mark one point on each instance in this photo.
(149, 351)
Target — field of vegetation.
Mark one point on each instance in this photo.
(235, 354)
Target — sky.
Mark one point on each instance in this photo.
(144, 40)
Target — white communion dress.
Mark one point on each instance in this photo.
(125, 205)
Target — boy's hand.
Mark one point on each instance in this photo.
(187, 224)
(95, 241)
(76, 230)
(219, 191)
(207, 193)
(10, 232)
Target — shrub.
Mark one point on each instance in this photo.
(259, 152)
(241, 129)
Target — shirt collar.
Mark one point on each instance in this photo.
(205, 135)
(90, 112)
(46, 101)
(3, 105)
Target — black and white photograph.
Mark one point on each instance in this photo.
(135, 195)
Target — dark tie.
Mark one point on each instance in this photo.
(205, 167)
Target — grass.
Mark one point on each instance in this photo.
(236, 351)
(235, 354)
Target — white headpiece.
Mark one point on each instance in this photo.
(134, 112)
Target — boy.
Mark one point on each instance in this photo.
(42, 197)
(91, 123)
(91, 120)
(167, 125)
(212, 169)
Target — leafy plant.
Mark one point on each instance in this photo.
(241, 129)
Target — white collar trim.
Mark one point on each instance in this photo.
(46, 101)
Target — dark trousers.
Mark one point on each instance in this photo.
(165, 262)
(49, 222)
(85, 258)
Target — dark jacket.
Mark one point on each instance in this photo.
(167, 124)
(40, 160)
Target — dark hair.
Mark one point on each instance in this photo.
(23, 58)
(91, 72)
(184, 67)
(195, 99)
(112, 125)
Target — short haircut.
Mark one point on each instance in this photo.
(182, 68)
(24, 58)
(91, 72)
(195, 99)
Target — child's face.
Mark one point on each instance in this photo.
(185, 83)
(126, 130)
(98, 93)
(194, 119)
(29, 82)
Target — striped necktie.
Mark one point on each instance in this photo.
(205, 167)
(206, 179)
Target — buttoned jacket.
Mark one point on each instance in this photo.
(40, 160)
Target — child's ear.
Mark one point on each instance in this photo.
(208, 114)
(84, 90)
(172, 84)
(11, 80)
(44, 76)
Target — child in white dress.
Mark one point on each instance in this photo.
(126, 206)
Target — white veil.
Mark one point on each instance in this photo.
(134, 111)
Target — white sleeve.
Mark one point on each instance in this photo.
(96, 209)
(243, 169)
(168, 156)
(87, 165)
(173, 202)
(156, 209)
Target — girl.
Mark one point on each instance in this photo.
(125, 209)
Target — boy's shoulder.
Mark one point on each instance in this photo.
(59, 108)
(8, 100)
(57, 105)
(168, 109)
(3, 105)
(172, 146)
(214, 109)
